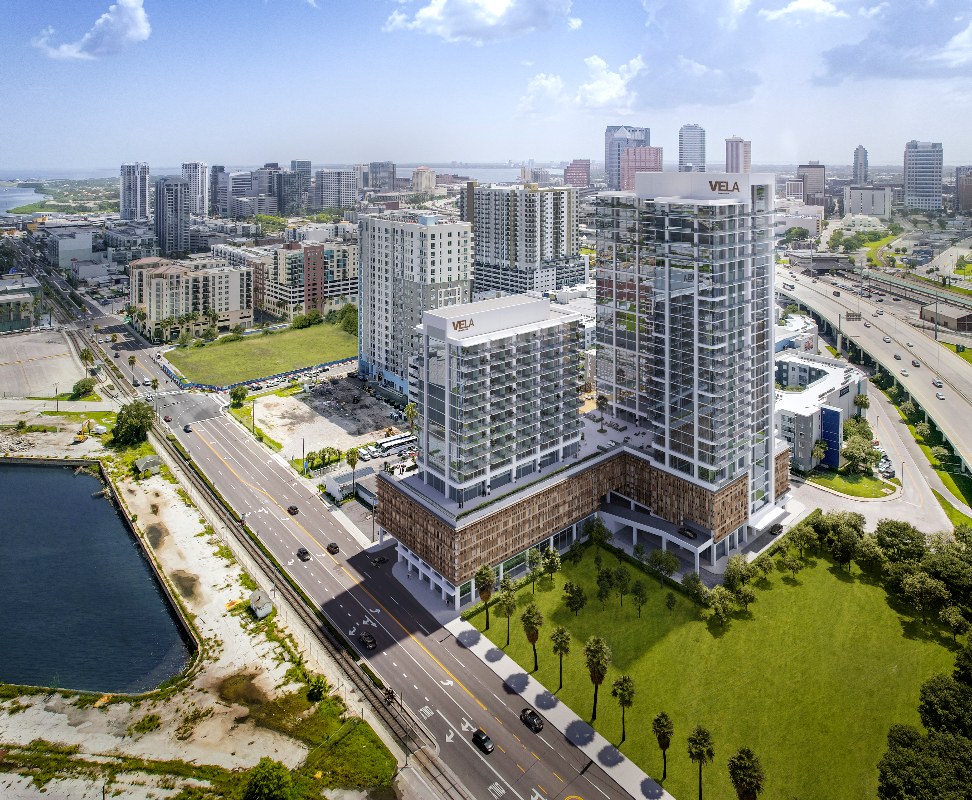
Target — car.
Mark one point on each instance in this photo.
(880, 312)
(292, 510)
(887, 340)
(940, 395)
(303, 554)
(910, 344)
(367, 641)
(836, 293)
(167, 418)
(896, 299)
(135, 383)
(377, 561)
(531, 719)
(187, 428)
(879, 300)
(937, 383)
(117, 354)
(904, 373)
(482, 741)
(897, 356)
(874, 314)
(867, 324)
(333, 548)
(915, 362)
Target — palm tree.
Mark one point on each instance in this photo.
(411, 412)
(506, 603)
(131, 363)
(484, 579)
(863, 402)
(663, 728)
(623, 689)
(700, 750)
(532, 620)
(560, 638)
(819, 450)
(351, 458)
(86, 356)
(746, 774)
(597, 654)
(155, 384)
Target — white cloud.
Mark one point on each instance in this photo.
(124, 23)
(479, 21)
(607, 89)
(872, 11)
(574, 23)
(821, 8)
(958, 51)
(542, 92)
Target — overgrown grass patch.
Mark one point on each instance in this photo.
(244, 414)
(851, 483)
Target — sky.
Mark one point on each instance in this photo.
(88, 84)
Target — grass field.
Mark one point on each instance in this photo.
(955, 516)
(811, 678)
(851, 483)
(966, 354)
(259, 356)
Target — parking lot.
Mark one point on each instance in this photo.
(32, 364)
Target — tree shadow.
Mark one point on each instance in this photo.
(716, 629)
(494, 654)
(545, 701)
(789, 580)
(579, 733)
(516, 684)
(651, 790)
(469, 638)
(841, 574)
(610, 756)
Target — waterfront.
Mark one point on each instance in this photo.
(82, 607)
(13, 197)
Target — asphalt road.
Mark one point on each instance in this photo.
(935, 361)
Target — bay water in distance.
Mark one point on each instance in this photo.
(14, 197)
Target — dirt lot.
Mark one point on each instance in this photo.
(32, 363)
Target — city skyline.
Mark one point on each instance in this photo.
(559, 72)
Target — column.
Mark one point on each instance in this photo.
(712, 553)
(500, 572)
(664, 539)
(696, 561)
(634, 535)
(573, 533)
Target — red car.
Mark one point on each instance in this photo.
(167, 418)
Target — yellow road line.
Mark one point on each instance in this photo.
(557, 777)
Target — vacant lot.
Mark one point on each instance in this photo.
(258, 356)
(810, 678)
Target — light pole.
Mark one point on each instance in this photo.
(57, 400)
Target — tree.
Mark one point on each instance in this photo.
(860, 454)
(720, 601)
(605, 584)
(951, 617)
(736, 573)
(316, 689)
(597, 656)
(575, 598)
(351, 459)
(700, 750)
(506, 604)
(664, 563)
(533, 564)
(857, 426)
(598, 533)
(485, 578)
(909, 409)
(670, 602)
(900, 540)
(411, 413)
(82, 388)
(917, 767)
(844, 546)
(550, 562)
(131, 363)
(819, 450)
(924, 592)
(623, 690)
(862, 402)
(869, 555)
(789, 563)
(640, 594)
(963, 665)
(640, 552)
(945, 705)
(940, 454)
(804, 538)
(695, 588)
(746, 774)
(133, 423)
(602, 404)
(154, 383)
(86, 356)
(269, 780)
(560, 639)
(532, 620)
(664, 729)
(745, 595)
(622, 580)
(923, 429)
(238, 395)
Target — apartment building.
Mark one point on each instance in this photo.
(335, 188)
(861, 174)
(739, 155)
(814, 177)
(172, 216)
(330, 275)
(578, 173)
(133, 189)
(381, 175)
(196, 174)
(423, 180)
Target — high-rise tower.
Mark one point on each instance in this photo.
(616, 139)
(134, 190)
(196, 173)
(691, 148)
(923, 175)
(172, 216)
(739, 155)
(860, 165)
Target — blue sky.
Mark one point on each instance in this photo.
(87, 83)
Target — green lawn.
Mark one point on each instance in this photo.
(966, 354)
(851, 483)
(811, 678)
(260, 356)
(832, 351)
(955, 516)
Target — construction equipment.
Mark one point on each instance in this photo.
(82, 435)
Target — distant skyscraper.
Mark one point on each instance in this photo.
(739, 155)
(923, 175)
(691, 148)
(172, 216)
(963, 188)
(303, 168)
(214, 181)
(578, 173)
(289, 202)
(860, 165)
(381, 176)
(616, 139)
(814, 177)
(196, 173)
(335, 188)
(638, 159)
(134, 190)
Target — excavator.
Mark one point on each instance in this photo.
(85, 431)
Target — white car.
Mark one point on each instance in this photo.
(887, 340)
(940, 395)
(910, 344)
(904, 372)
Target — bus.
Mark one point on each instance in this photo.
(385, 446)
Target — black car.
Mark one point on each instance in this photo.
(531, 719)
(367, 641)
(187, 428)
(915, 363)
(292, 510)
(377, 561)
(303, 554)
(333, 548)
(482, 741)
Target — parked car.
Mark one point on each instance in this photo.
(377, 561)
(303, 554)
(531, 719)
(482, 741)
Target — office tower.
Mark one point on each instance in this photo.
(215, 172)
(638, 159)
(814, 177)
(497, 387)
(303, 168)
(963, 188)
(172, 216)
(133, 189)
(691, 148)
(578, 173)
(381, 175)
(860, 165)
(616, 139)
(526, 237)
(196, 173)
(361, 173)
(289, 193)
(335, 188)
(685, 348)
(233, 185)
(739, 155)
(423, 180)
(264, 180)
(923, 175)
(410, 263)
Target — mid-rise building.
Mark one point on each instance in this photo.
(126, 242)
(423, 180)
(739, 155)
(526, 237)
(860, 166)
(20, 302)
(578, 173)
(870, 200)
(215, 172)
(381, 175)
(814, 177)
(172, 216)
(923, 175)
(290, 194)
(691, 148)
(793, 189)
(67, 243)
(410, 263)
(336, 188)
(638, 159)
(283, 282)
(963, 189)
(617, 138)
(134, 191)
(264, 180)
(196, 174)
(330, 275)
